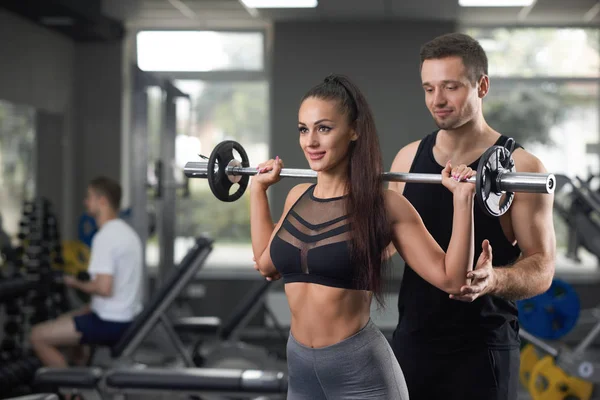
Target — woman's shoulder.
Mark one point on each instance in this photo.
(395, 203)
(295, 193)
(392, 196)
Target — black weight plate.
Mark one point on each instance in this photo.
(492, 201)
(218, 180)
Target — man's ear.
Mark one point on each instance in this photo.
(484, 86)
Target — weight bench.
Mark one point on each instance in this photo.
(155, 311)
(94, 384)
(81, 380)
(197, 381)
(152, 314)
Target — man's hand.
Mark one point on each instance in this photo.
(483, 277)
(70, 281)
(272, 277)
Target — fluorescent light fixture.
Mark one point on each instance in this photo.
(495, 3)
(280, 3)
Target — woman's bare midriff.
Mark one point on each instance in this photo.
(323, 316)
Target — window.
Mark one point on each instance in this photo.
(541, 52)
(224, 75)
(200, 51)
(545, 93)
(17, 164)
(219, 111)
(555, 121)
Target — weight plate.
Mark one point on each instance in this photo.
(219, 182)
(552, 314)
(492, 201)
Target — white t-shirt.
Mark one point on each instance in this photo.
(117, 251)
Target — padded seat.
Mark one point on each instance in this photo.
(81, 377)
(198, 325)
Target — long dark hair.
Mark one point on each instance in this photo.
(365, 204)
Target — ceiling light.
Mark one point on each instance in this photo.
(495, 3)
(280, 3)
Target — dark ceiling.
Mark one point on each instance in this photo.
(81, 20)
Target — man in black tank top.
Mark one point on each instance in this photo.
(466, 345)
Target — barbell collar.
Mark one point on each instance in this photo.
(529, 182)
(505, 181)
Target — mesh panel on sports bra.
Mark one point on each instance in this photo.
(313, 223)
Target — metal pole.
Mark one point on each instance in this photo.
(506, 181)
(166, 215)
(538, 343)
(585, 343)
(138, 164)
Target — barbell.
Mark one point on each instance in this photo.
(496, 179)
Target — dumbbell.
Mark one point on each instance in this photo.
(18, 372)
(9, 348)
(12, 308)
(38, 300)
(38, 316)
(13, 328)
(83, 276)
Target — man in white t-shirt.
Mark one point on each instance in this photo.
(115, 283)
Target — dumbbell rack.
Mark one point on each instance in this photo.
(17, 364)
(12, 344)
(39, 249)
(41, 254)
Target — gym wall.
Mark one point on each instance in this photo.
(76, 89)
(381, 57)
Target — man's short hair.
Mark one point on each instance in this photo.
(108, 188)
(458, 45)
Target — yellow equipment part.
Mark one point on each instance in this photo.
(76, 255)
(529, 358)
(549, 382)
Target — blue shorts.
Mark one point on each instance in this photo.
(95, 330)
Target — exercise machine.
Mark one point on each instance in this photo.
(155, 312)
(226, 350)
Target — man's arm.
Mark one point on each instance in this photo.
(533, 226)
(402, 163)
(102, 265)
(101, 285)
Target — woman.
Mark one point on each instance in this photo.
(330, 248)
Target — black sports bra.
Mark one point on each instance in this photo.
(312, 244)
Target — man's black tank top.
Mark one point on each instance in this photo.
(428, 317)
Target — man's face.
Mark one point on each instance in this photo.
(450, 96)
(92, 202)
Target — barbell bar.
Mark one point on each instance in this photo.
(496, 178)
(507, 181)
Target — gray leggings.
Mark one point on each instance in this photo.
(362, 366)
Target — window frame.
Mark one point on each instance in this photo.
(211, 269)
(216, 75)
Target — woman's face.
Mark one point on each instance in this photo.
(325, 133)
